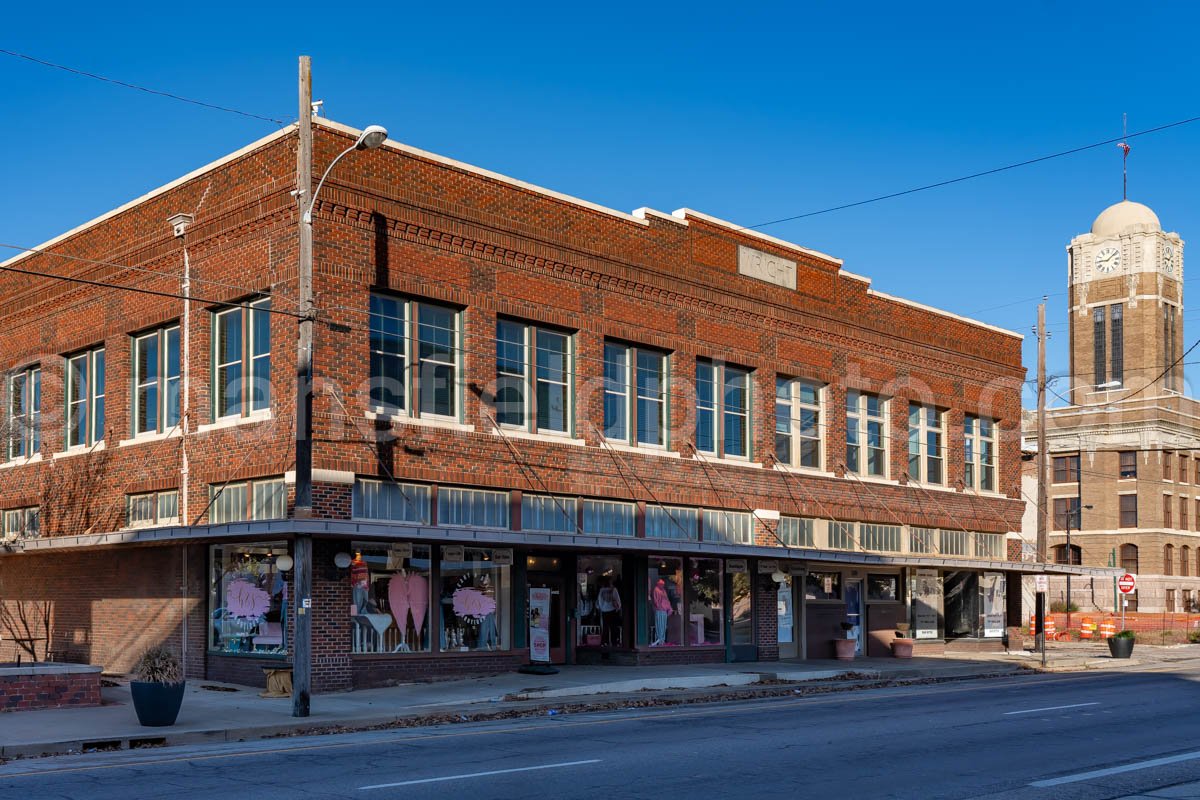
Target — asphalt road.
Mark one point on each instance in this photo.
(994, 738)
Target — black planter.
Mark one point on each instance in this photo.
(157, 704)
(1120, 648)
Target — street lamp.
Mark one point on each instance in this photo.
(1078, 514)
(370, 139)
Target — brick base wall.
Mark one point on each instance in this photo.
(242, 670)
(680, 655)
(372, 672)
(30, 692)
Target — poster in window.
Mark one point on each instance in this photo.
(539, 624)
(927, 602)
(993, 604)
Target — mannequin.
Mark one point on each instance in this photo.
(660, 601)
(608, 601)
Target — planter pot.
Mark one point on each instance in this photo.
(157, 704)
(1120, 648)
(902, 648)
(845, 648)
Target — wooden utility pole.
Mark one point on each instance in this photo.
(1043, 457)
(302, 558)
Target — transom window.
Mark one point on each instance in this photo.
(979, 453)
(533, 377)
(242, 359)
(796, 532)
(798, 422)
(672, 522)
(85, 398)
(22, 523)
(152, 509)
(390, 500)
(25, 413)
(722, 410)
(635, 394)
(926, 447)
(156, 381)
(247, 500)
(415, 353)
(866, 449)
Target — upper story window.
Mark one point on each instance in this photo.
(390, 500)
(866, 439)
(1066, 513)
(1168, 462)
(1129, 558)
(1128, 464)
(722, 409)
(926, 444)
(635, 394)
(85, 398)
(242, 350)
(533, 377)
(415, 357)
(1099, 355)
(248, 500)
(1066, 469)
(979, 453)
(22, 523)
(1129, 510)
(25, 413)
(152, 509)
(1183, 468)
(798, 422)
(156, 381)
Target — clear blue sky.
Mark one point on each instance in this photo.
(748, 113)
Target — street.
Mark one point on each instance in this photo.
(1027, 736)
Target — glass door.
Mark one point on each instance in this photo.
(788, 619)
(855, 613)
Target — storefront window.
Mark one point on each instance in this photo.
(704, 621)
(783, 612)
(883, 588)
(823, 586)
(248, 606)
(743, 611)
(475, 600)
(390, 592)
(599, 605)
(665, 578)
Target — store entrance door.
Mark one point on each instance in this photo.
(558, 616)
(856, 613)
(789, 618)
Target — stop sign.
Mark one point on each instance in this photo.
(1126, 583)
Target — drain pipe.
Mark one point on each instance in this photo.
(179, 225)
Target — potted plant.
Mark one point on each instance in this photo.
(847, 645)
(902, 645)
(1120, 645)
(157, 687)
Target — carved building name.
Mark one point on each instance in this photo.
(766, 267)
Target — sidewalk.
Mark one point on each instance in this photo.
(215, 712)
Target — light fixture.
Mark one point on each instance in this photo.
(371, 137)
(778, 576)
(284, 563)
(341, 560)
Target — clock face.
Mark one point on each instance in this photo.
(1108, 259)
(1168, 257)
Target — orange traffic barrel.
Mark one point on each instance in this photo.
(1087, 628)
(1107, 628)
(1050, 628)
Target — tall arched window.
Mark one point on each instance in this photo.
(1185, 558)
(1129, 558)
(1168, 559)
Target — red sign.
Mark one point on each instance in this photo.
(1126, 583)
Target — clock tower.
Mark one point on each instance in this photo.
(1125, 288)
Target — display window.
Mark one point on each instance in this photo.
(686, 601)
(742, 606)
(883, 588)
(598, 605)
(823, 586)
(391, 588)
(248, 599)
(665, 579)
(475, 600)
(705, 624)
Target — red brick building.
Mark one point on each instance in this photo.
(705, 443)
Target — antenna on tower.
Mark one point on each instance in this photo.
(1124, 157)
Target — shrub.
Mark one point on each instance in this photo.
(1059, 607)
(1124, 635)
(1194, 637)
(158, 665)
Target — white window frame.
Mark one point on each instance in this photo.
(92, 399)
(630, 395)
(162, 382)
(974, 441)
(22, 523)
(25, 424)
(254, 367)
(797, 532)
(411, 360)
(859, 420)
(530, 379)
(728, 527)
(789, 395)
(919, 435)
(161, 504)
(475, 508)
(398, 502)
(720, 413)
(549, 513)
(252, 509)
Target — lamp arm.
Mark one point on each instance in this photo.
(308, 207)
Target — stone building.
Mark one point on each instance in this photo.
(1124, 454)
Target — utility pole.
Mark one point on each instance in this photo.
(1042, 462)
(302, 558)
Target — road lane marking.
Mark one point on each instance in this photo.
(1049, 708)
(1100, 773)
(482, 774)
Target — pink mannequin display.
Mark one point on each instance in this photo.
(418, 601)
(408, 593)
(398, 601)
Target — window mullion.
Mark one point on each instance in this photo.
(531, 379)
(631, 394)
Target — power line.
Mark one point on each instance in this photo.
(136, 87)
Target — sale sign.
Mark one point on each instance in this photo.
(539, 624)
